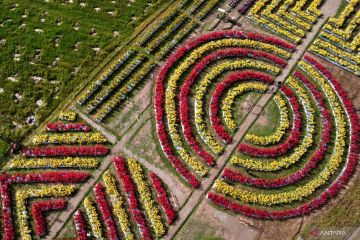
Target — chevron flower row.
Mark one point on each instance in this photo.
(38, 209)
(44, 190)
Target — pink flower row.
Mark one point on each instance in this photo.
(162, 198)
(289, 143)
(38, 209)
(80, 226)
(134, 206)
(105, 211)
(65, 151)
(247, 75)
(67, 127)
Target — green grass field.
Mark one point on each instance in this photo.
(49, 48)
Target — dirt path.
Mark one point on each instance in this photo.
(111, 137)
(177, 189)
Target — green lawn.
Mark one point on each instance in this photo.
(48, 49)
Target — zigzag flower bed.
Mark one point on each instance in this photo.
(128, 203)
(287, 186)
(14, 199)
(189, 142)
(47, 192)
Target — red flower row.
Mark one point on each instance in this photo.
(129, 188)
(80, 226)
(185, 90)
(333, 189)
(219, 91)
(67, 127)
(289, 143)
(7, 222)
(37, 210)
(160, 90)
(48, 177)
(66, 151)
(317, 156)
(105, 211)
(162, 197)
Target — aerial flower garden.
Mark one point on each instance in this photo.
(180, 120)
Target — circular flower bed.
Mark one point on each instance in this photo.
(227, 60)
(282, 180)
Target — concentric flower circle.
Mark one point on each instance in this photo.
(191, 135)
(308, 165)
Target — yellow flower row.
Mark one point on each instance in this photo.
(39, 191)
(146, 198)
(339, 52)
(67, 116)
(313, 7)
(297, 9)
(298, 152)
(352, 46)
(341, 19)
(69, 138)
(94, 220)
(326, 54)
(115, 81)
(229, 101)
(280, 131)
(348, 31)
(207, 81)
(309, 188)
(68, 162)
(267, 13)
(118, 205)
(120, 94)
(274, 28)
(283, 11)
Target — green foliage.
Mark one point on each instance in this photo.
(4, 147)
(54, 45)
